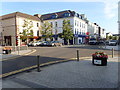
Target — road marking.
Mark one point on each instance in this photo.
(27, 68)
(18, 56)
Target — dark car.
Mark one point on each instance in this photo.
(45, 43)
(56, 43)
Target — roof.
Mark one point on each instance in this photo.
(116, 34)
(59, 14)
(19, 14)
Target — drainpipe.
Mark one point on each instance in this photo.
(15, 28)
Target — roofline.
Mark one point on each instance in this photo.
(16, 14)
(56, 12)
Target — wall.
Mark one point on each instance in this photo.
(8, 29)
(20, 23)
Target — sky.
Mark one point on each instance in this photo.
(104, 13)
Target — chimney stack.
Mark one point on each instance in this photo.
(37, 15)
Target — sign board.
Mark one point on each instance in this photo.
(97, 61)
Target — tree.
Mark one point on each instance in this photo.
(67, 33)
(110, 37)
(114, 37)
(46, 31)
(27, 30)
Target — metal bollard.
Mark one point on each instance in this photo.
(18, 50)
(38, 63)
(112, 52)
(77, 55)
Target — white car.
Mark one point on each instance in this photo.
(113, 42)
(37, 43)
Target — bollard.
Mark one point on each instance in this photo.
(18, 50)
(15, 48)
(77, 55)
(27, 47)
(112, 52)
(38, 63)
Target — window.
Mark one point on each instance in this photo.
(38, 33)
(54, 16)
(56, 24)
(56, 31)
(37, 24)
(80, 24)
(66, 14)
(75, 30)
(75, 22)
(51, 24)
(76, 14)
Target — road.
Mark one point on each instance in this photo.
(48, 54)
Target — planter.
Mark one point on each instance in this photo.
(99, 61)
(6, 51)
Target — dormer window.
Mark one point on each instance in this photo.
(66, 14)
(76, 14)
(54, 16)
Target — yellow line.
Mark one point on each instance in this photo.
(17, 71)
(18, 56)
(53, 62)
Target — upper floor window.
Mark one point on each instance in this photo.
(38, 33)
(75, 30)
(56, 24)
(75, 22)
(76, 14)
(37, 24)
(54, 16)
(66, 14)
(80, 24)
(51, 24)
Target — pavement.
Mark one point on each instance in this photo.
(72, 74)
(15, 54)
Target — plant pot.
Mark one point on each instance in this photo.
(99, 61)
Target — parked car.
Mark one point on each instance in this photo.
(93, 41)
(45, 43)
(37, 43)
(56, 43)
(30, 43)
(107, 42)
(113, 42)
(101, 42)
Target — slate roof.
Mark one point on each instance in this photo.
(59, 15)
(12, 15)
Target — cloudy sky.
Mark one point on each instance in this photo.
(103, 12)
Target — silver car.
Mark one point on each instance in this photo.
(113, 42)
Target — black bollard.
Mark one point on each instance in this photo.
(77, 55)
(38, 63)
(112, 52)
